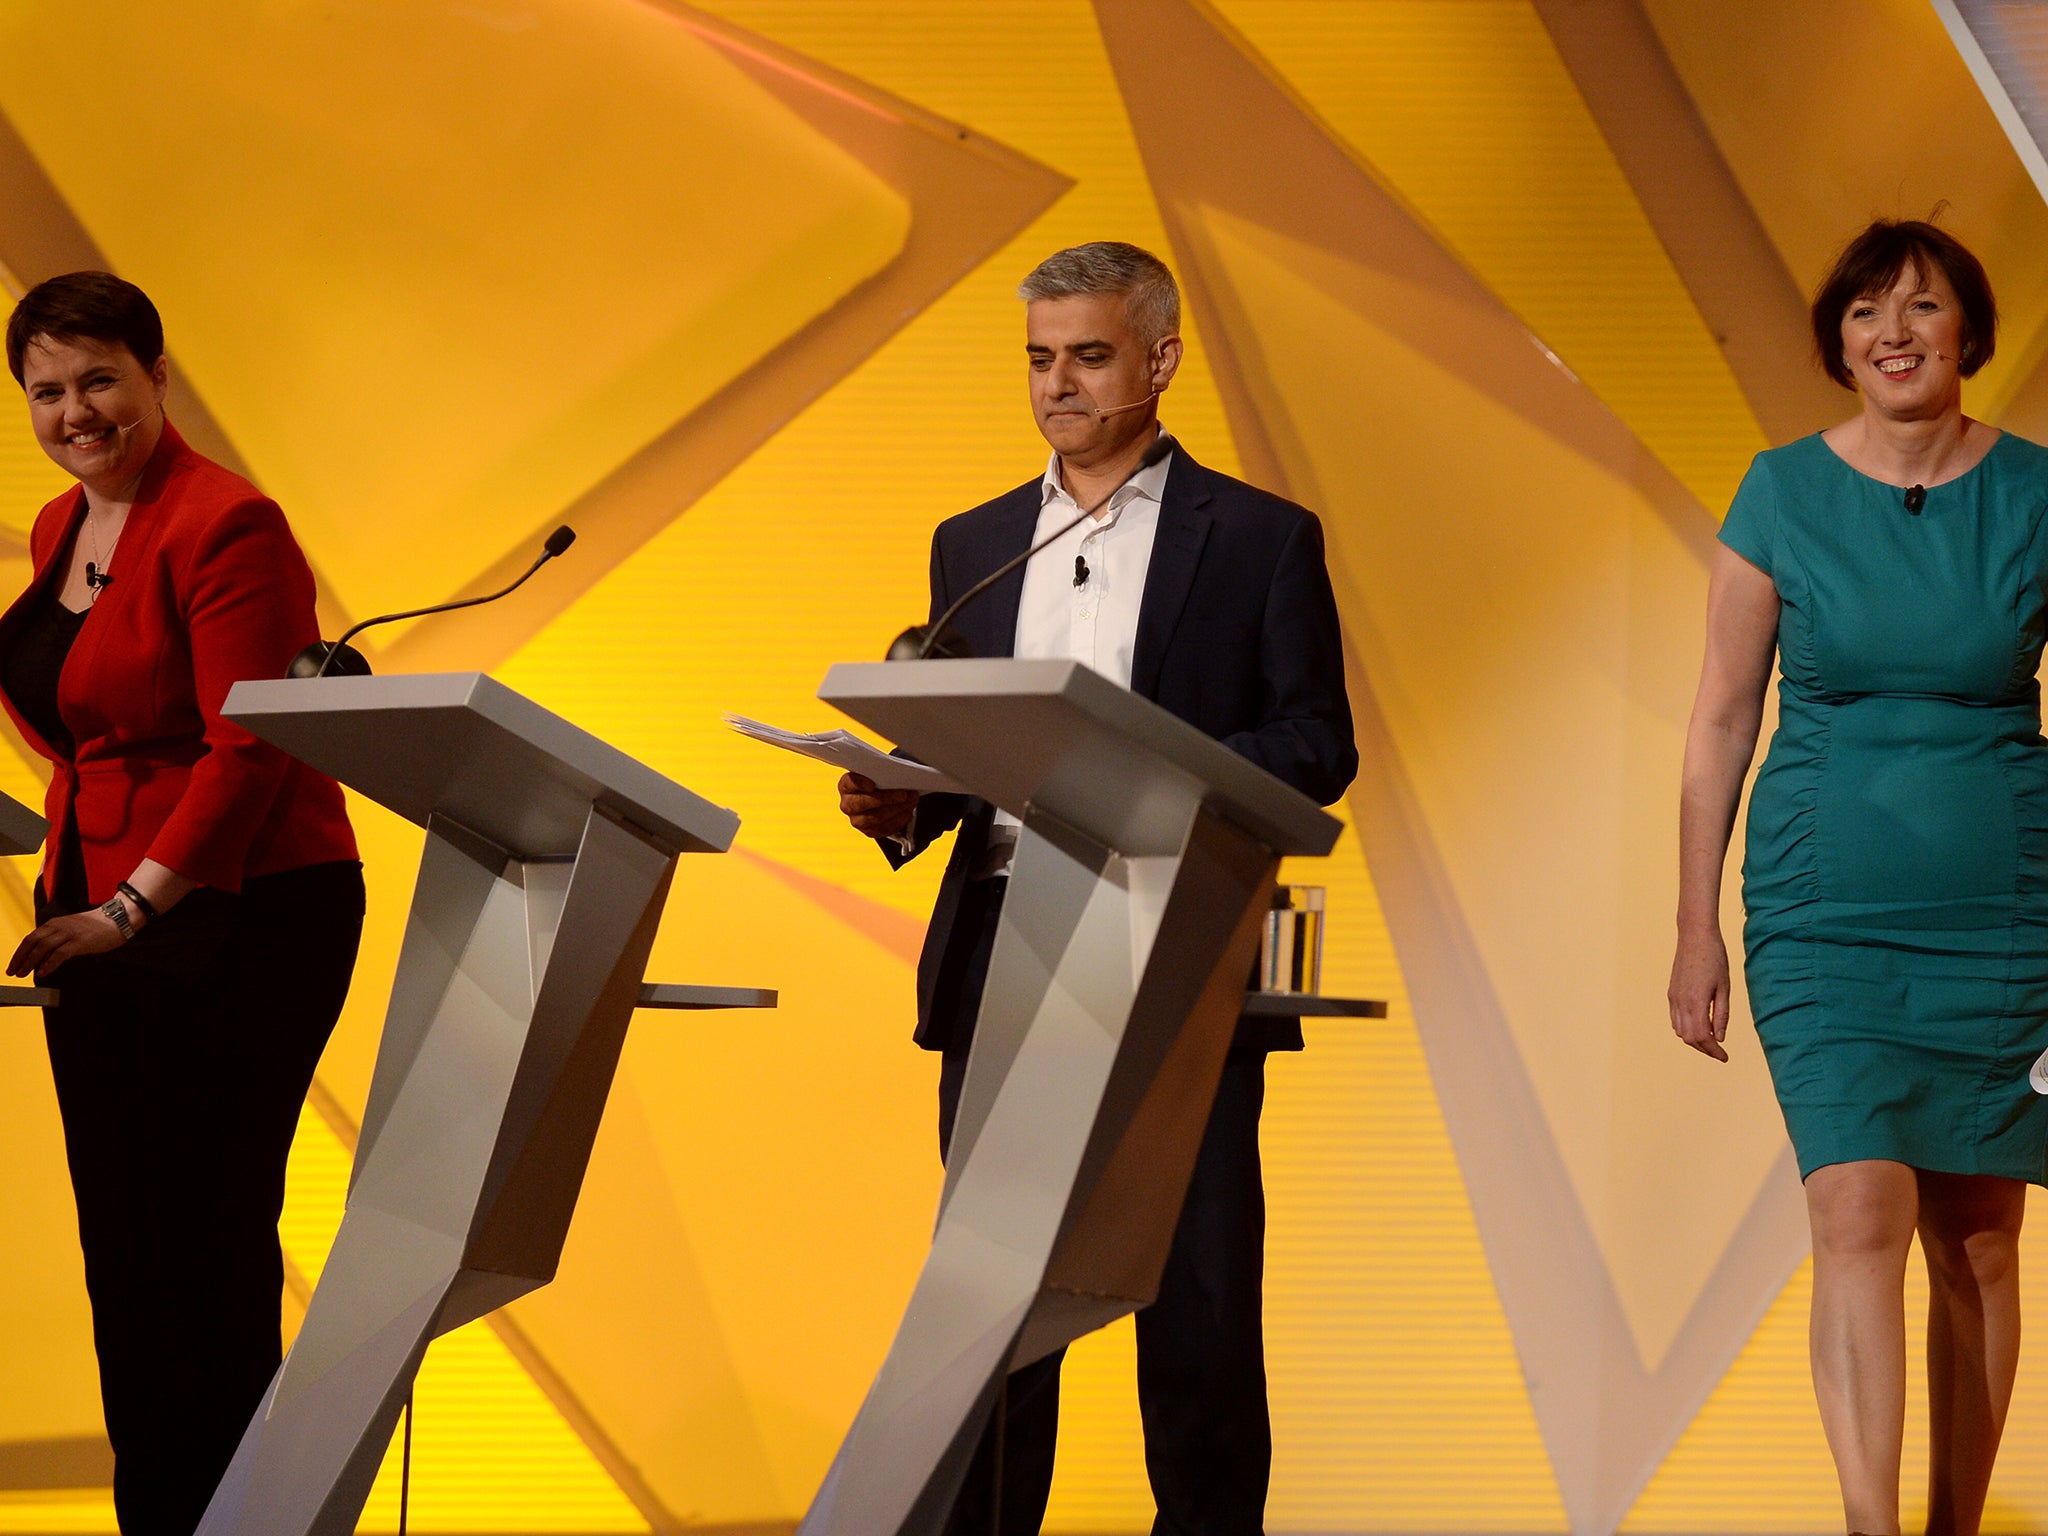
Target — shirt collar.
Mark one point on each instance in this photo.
(1149, 482)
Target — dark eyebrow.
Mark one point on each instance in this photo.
(1085, 344)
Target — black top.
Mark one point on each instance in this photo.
(34, 663)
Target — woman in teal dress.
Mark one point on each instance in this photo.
(1895, 882)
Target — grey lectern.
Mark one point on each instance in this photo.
(1143, 872)
(548, 856)
(22, 831)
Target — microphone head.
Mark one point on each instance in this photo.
(347, 662)
(560, 540)
(948, 645)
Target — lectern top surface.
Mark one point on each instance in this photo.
(1062, 737)
(461, 745)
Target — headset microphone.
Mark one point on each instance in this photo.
(155, 410)
(1135, 405)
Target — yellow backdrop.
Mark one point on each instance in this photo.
(730, 287)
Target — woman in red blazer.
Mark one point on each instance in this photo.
(200, 901)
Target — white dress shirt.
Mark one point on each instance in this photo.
(1087, 612)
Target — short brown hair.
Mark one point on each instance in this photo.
(1151, 296)
(1872, 262)
(96, 306)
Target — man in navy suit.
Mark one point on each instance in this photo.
(1210, 598)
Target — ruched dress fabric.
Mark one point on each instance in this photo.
(1896, 872)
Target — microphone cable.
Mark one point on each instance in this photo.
(1162, 445)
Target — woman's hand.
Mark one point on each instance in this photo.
(63, 938)
(1699, 992)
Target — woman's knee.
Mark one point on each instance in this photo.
(1970, 1228)
(1978, 1261)
(1863, 1209)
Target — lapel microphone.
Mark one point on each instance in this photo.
(343, 660)
(921, 642)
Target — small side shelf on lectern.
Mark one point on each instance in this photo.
(663, 994)
(1287, 1005)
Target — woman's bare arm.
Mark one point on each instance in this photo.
(1720, 742)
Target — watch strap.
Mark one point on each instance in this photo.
(118, 915)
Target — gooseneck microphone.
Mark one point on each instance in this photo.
(342, 660)
(921, 642)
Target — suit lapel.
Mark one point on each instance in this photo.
(46, 566)
(44, 572)
(1184, 519)
(1019, 521)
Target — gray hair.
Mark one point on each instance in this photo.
(1151, 297)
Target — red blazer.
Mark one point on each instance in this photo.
(208, 587)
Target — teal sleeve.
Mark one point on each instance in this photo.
(1751, 527)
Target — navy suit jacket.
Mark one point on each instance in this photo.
(1237, 635)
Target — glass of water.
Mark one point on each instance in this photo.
(1291, 958)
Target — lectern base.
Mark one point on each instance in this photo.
(515, 985)
(1112, 995)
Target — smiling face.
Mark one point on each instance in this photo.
(1905, 348)
(96, 410)
(1084, 359)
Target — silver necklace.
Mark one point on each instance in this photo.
(96, 578)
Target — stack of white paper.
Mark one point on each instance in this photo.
(845, 750)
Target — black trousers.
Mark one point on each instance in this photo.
(181, 1061)
(1201, 1346)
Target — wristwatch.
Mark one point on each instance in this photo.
(118, 915)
